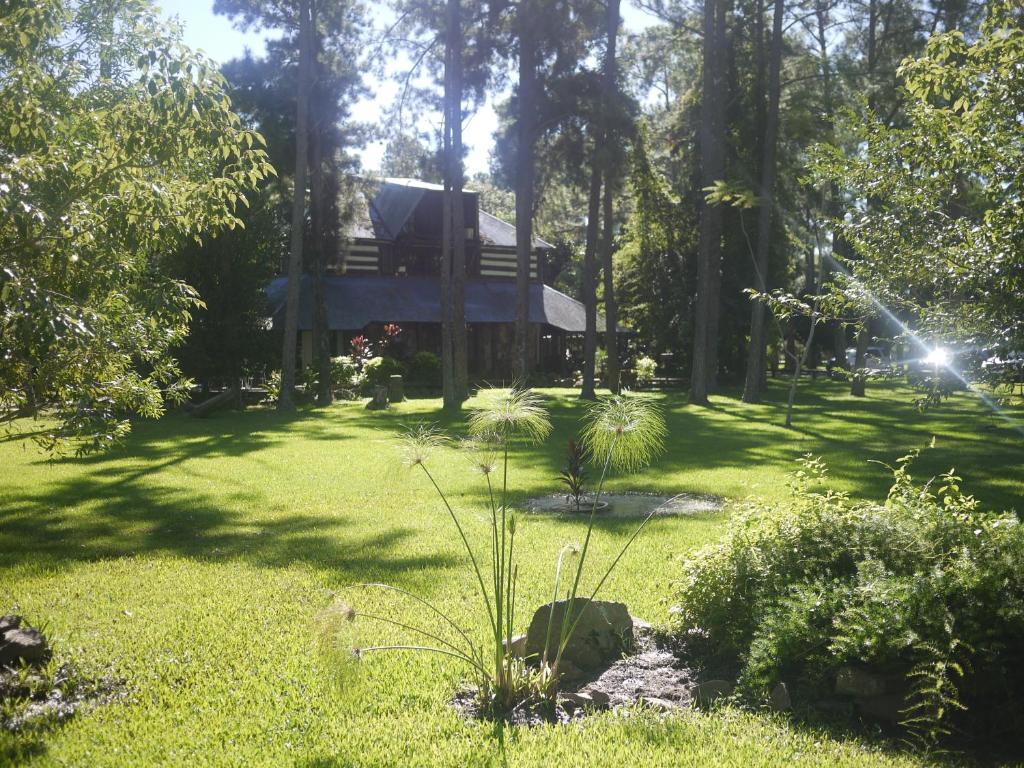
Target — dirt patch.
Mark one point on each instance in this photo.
(652, 675)
(630, 505)
(32, 700)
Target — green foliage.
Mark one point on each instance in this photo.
(378, 370)
(574, 473)
(645, 369)
(925, 586)
(228, 338)
(424, 370)
(115, 151)
(941, 238)
(651, 264)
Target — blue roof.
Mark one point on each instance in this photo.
(353, 302)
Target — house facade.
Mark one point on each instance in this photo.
(389, 275)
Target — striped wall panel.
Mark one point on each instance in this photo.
(362, 259)
(503, 264)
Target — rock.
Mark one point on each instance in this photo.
(517, 647)
(779, 699)
(839, 707)
(396, 388)
(11, 621)
(603, 633)
(853, 681)
(887, 707)
(661, 705)
(580, 700)
(711, 690)
(600, 698)
(23, 644)
(641, 628)
(379, 401)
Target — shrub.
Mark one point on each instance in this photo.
(925, 586)
(344, 373)
(378, 370)
(425, 370)
(645, 369)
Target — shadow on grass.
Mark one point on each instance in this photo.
(126, 513)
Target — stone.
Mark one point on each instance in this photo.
(839, 707)
(578, 700)
(642, 628)
(379, 401)
(779, 699)
(517, 648)
(887, 707)
(712, 690)
(602, 635)
(853, 681)
(396, 388)
(23, 644)
(660, 705)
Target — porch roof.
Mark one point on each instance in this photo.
(353, 302)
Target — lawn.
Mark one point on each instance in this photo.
(195, 560)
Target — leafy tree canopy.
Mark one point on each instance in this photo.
(117, 144)
(940, 232)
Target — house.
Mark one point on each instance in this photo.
(390, 275)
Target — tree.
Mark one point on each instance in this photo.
(314, 69)
(766, 200)
(705, 342)
(453, 261)
(119, 145)
(943, 239)
(227, 338)
(527, 19)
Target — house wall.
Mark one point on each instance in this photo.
(365, 258)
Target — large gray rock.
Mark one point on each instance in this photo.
(779, 699)
(604, 632)
(23, 644)
(710, 691)
(379, 401)
(853, 681)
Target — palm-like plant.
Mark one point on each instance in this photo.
(627, 433)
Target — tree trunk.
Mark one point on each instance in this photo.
(320, 210)
(590, 282)
(460, 373)
(858, 385)
(526, 134)
(611, 339)
(449, 398)
(705, 337)
(285, 401)
(754, 383)
(835, 209)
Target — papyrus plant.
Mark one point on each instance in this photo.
(623, 432)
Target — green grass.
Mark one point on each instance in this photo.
(194, 562)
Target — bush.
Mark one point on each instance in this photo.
(425, 370)
(925, 586)
(645, 368)
(344, 373)
(378, 370)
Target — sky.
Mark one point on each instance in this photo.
(219, 39)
